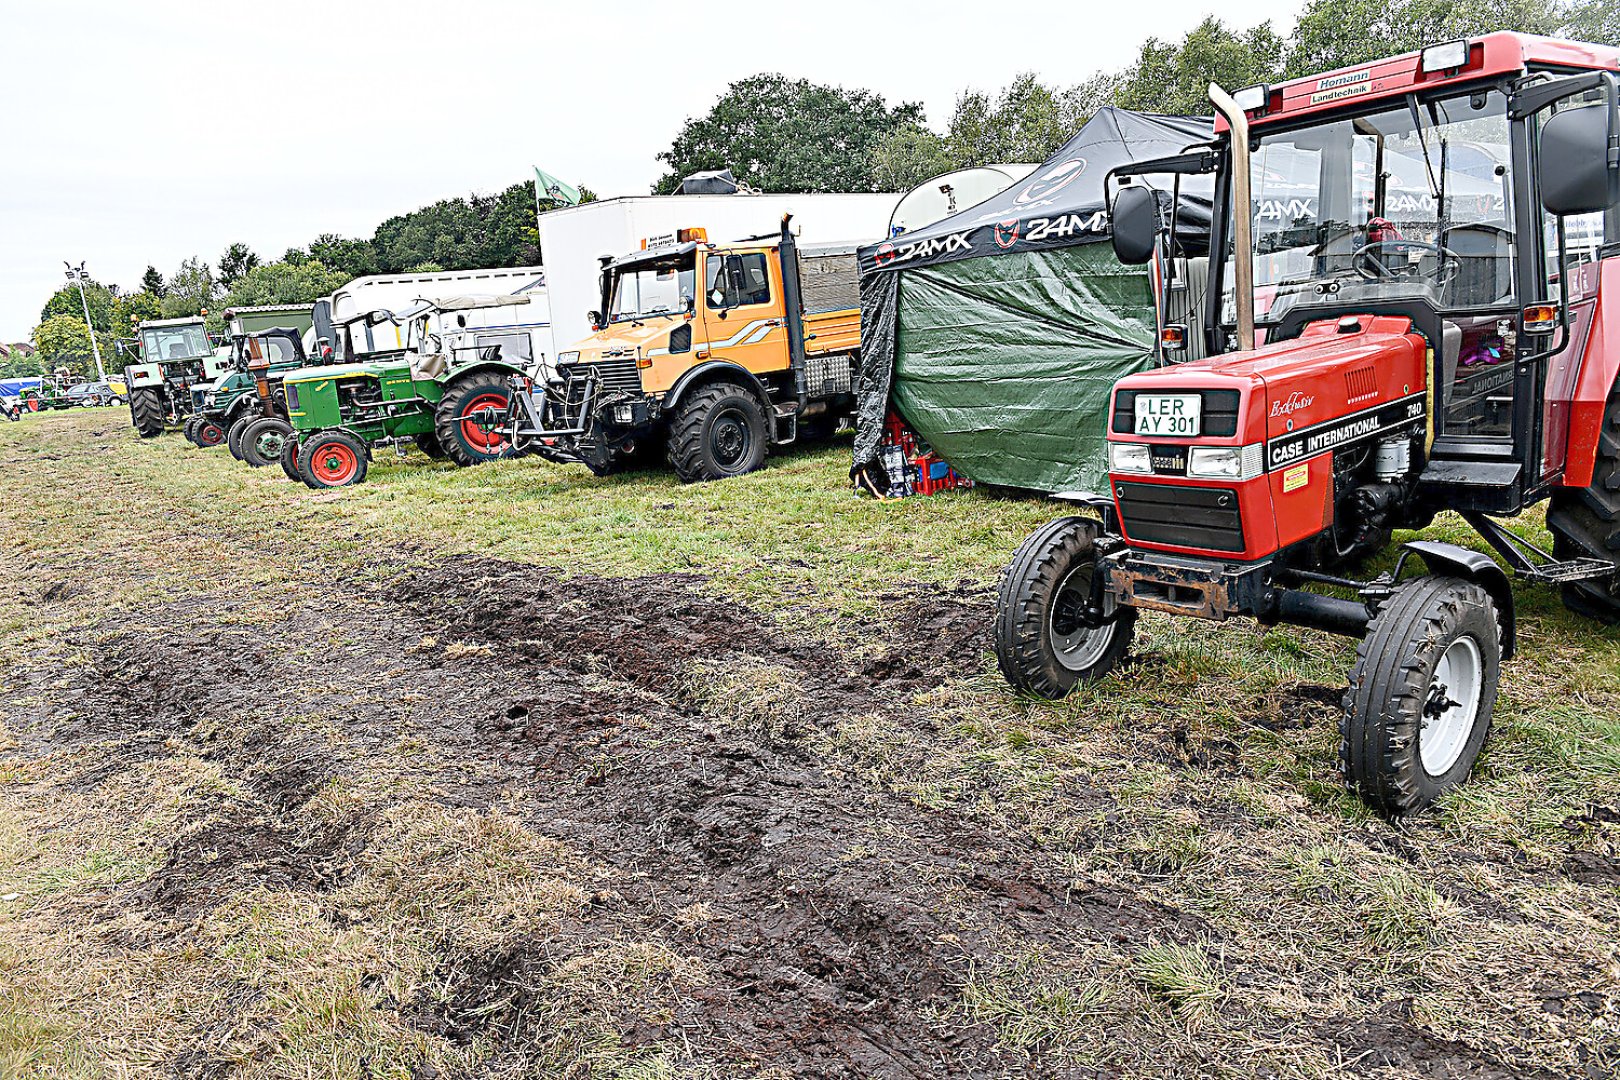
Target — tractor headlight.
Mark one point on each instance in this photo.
(1225, 462)
(568, 357)
(623, 414)
(1130, 457)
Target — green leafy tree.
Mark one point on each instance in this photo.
(476, 232)
(64, 342)
(191, 289)
(1337, 33)
(1596, 21)
(65, 301)
(1175, 78)
(237, 260)
(285, 283)
(152, 282)
(780, 134)
(357, 258)
(908, 157)
(1027, 121)
(131, 310)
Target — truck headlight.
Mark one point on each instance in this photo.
(1225, 462)
(1130, 457)
(568, 357)
(623, 414)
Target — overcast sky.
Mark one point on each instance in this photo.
(136, 133)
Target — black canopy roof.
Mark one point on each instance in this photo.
(1061, 203)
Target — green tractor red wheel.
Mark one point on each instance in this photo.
(332, 459)
(207, 433)
(289, 459)
(471, 419)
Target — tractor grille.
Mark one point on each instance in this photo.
(1194, 517)
(615, 373)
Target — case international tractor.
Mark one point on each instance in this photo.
(1370, 356)
(175, 357)
(712, 352)
(436, 375)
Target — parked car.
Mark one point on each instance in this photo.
(92, 393)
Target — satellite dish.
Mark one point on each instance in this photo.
(951, 193)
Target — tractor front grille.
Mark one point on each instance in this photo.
(1180, 515)
(614, 373)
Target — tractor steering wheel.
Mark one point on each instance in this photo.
(1365, 260)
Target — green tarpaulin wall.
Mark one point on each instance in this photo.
(1004, 363)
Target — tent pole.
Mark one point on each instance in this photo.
(1242, 215)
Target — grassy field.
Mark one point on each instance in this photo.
(515, 771)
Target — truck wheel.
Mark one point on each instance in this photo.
(718, 431)
(1421, 694)
(1042, 647)
(462, 424)
(289, 459)
(146, 412)
(428, 443)
(332, 459)
(1585, 523)
(263, 440)
(233, 435)
(208, 433)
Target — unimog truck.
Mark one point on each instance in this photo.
(1378, 359)
(436, 375)
(175, 356)
(715, 352)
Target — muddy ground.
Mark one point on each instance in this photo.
(435, 814)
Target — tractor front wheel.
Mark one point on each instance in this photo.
(1044, 643)
(189, 429)
(719, 431)
(263, 440)
(233, 435)
(289, 459)
(1421, 694)
(332, 459)
(471, 419)
(208, 433)
(146, 412)
(1585, 523)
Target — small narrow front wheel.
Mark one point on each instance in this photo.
(1421, 694)
(208, 433)
(332, 459)
(1048, 638)
(289, 459)
(233, 435)
(263, 440)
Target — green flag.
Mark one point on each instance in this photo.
(548, 188)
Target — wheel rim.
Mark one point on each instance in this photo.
(1077, 647)
(1451, 705)
(269, 443)
(481, 435)
(334, 463)
(730, 438)
(209, 434)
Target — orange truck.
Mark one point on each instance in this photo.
(713, 352)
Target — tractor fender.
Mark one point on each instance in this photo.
(499, 366)
(1473, 566)
(707, 372)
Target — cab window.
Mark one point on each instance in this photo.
(738, 281)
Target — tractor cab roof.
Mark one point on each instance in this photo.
(1488, 56)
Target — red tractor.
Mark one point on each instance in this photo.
(1417, 311)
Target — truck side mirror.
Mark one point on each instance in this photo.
(1134, 218)
(595, 319)
(1572, 162)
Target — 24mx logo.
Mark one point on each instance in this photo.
(1067, 225)
(921, 249)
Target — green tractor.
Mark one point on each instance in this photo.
(175, 356)
(437, 375)
(227, 407)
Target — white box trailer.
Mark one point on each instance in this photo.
(573, 241)
(396, 292)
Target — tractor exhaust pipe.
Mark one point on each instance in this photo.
(1242, 214)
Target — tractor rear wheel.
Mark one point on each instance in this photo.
(289, 459)
(332, 459)
(719, 431)
(233, 435)
(263, 440)
(1043, 645)
(471, 417)
(146, 412)
(1421, 694)
(1585, 523)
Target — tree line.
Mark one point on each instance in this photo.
(785, 135)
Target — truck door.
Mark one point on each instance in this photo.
(743, 310)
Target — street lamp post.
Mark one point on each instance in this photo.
(76, 275)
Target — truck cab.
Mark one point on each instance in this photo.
(717, 351)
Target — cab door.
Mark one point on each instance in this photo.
(742, 310)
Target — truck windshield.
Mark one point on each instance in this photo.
(162, 343)
(1400, 203)
(660, 289)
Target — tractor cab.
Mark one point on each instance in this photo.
(1407, 315)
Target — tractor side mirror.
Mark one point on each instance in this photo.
(1135, 222)
(1572, 162)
